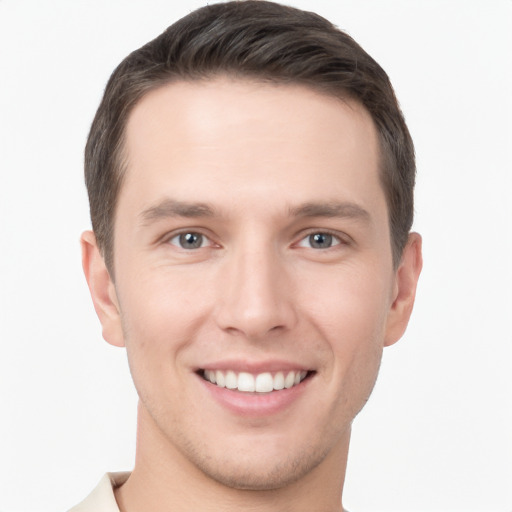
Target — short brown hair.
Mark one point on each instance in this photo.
(259, 40)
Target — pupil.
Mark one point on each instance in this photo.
(191, 240)
(321, 240)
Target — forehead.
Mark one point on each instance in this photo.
(207, 139)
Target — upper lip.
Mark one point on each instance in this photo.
(255, 367)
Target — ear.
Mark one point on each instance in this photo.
(404, 292)
(102, 290)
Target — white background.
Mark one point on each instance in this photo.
(437, 433)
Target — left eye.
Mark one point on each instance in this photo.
(189, 240)
(319, 240)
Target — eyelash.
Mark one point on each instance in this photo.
(185, 233)
(334, 236)
(337, 239)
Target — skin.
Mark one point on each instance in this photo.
(255, 291)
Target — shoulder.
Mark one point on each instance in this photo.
(102, 499)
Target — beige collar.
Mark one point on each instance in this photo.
(102, 497)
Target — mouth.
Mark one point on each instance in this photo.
(260, 383)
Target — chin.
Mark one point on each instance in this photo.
(266, 472)
(251, 478)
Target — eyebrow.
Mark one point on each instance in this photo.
(331, 209)
(169, 208)
(173, 208)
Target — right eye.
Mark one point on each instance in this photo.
(320, 240)
(190, 240)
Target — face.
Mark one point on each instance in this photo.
(254, 287)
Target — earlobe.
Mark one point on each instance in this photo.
(406, 278)
(102, 290)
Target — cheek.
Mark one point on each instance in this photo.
(159, 322)
(350, 306)
(351, 316)
(161, 306)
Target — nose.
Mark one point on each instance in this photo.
(255, 299)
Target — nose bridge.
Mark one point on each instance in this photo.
(255, 298)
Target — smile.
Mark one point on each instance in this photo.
(265, 382)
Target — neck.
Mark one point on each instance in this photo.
(164, 480)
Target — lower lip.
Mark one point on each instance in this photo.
(256, 404)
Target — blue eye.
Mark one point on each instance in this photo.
(189, 240)
(319, 240)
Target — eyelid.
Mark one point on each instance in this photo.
(166, 239)
(341, 238)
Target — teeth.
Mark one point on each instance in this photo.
(264, 383)
(231, 380)
(279, 381)
(246, 382)
(260, 383)
(289, 380)
(220, 380)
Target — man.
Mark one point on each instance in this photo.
(250, 178)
